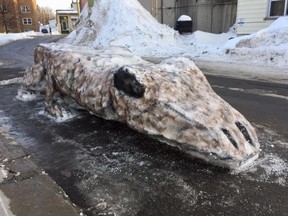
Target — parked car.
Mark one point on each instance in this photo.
(44, 31)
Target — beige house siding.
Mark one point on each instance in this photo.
(252, 16)
(15, 16)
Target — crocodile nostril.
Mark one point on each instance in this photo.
(229, 136)
(245, 133)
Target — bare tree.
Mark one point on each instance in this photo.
(6, 11)
(45, 14)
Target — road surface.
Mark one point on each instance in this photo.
(107, 168)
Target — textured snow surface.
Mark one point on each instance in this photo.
(124, 23)
(6, 38)
(127, 23)
(269, 45)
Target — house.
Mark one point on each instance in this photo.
(215, 16)
(258, 14)
(66, 19)
(19, 16)
(82, 4)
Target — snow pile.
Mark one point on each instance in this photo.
(269, 45)
(205, 43)
(6, 38)
(125, 23)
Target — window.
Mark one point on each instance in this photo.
(27, 30)
(277, 8)
(27, 21)
(25, 9)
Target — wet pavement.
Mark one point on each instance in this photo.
(107, 168)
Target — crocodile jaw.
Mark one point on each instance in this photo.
(180, 108)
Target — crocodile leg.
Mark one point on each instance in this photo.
(31, 82)
(54, 105)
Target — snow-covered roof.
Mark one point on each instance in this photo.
(66, 11)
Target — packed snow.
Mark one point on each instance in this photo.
(127, 23)
(6, 38)
(269, 45)
(184, 18)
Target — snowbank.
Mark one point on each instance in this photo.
(269, 45)
(6, 38)
(125, 23)
(205, 44)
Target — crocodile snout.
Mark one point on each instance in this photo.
(178, 106)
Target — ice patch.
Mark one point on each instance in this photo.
(5, 121)
(26, 95)
(66, 116)
(17, 80)
(269, 167)
(4, 205)
(3, 173)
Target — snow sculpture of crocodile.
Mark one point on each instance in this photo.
(171, 101)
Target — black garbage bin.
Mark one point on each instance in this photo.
(184, 24)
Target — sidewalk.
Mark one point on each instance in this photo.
(25, 189)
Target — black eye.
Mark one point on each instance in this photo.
(127, 82)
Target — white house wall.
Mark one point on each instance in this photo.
(252, 16)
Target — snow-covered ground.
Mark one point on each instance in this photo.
(127, 23)
(6, 38)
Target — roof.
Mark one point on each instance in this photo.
(66, 11)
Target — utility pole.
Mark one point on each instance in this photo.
(3, 11)
(162, 16)
(78, 7)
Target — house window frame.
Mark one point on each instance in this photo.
(25, 9)
(285, 11)
(25, 21)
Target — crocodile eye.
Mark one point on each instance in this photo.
(127, 82)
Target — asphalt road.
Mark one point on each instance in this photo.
(108, 169)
